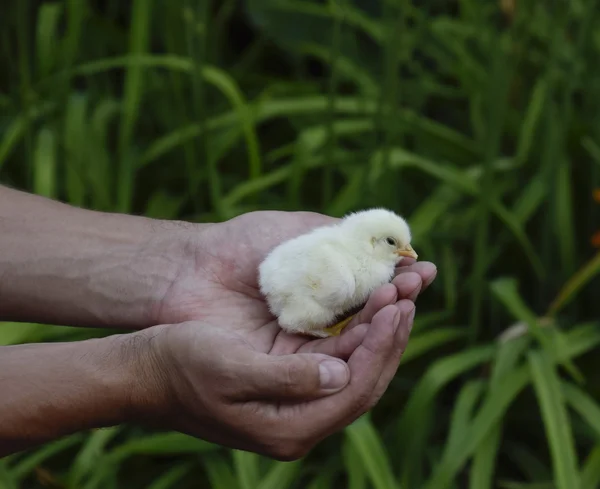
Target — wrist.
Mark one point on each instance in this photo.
(56, 389)
(138, 379)
(70, 266)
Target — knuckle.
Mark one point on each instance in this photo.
(364, 402)
(289, 451)
(293, 376)
(288, 446)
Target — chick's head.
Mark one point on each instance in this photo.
(384, 234)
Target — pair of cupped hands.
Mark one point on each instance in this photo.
(230, 375)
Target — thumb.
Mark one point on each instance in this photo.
(299, 376)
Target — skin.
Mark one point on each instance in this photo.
(204, 356)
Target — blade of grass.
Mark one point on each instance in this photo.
(6, 479)
(556, 421)
(497, 94)
(423, 343)
(74, 143)
(366, 442)
(87, 458)
(464, 407)
(27, 465)
(338, 21)
(171, 477)
(590, 473)
(162, 444)
(506, 290)
(583, 404)
(44, 164)
(481, 475)
(575, 284)
(132, 97)
(281, 476)
(15, 131)
(582, 339)
(100, 173)
(246, 468)
(197, 30)
(531, 120)
(356, 471)
(49, 15)
(219, 472)
(489, 415)
(414, 423)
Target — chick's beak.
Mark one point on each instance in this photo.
(407, 252)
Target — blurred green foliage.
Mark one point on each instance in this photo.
(479, 121)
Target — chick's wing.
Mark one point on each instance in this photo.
(328, 278)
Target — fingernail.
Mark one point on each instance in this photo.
(332, 374)
(397, 319)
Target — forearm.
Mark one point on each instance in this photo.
(64, 265)
(51, 390)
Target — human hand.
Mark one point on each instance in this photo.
(131, 272)
(231, 375)
(217, 283)
(208, 381)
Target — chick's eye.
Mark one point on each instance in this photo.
(391, 241)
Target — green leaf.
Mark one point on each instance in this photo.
(367, 443)
(171, 477)
(162, 444)
(584, 405)
(15, 131)
(481, 475)
(575, 284)
(246, 467)
(132, 98)
(488, 417)
(464, 407)
(281, 476)
(422, 343)
(44, 166)
(531, 120)
(49, 15)
(88, 456)
(219, 472)
(412, 426)
(6, 479)
(590, 473)
(506, 290)
(27, 465)
(556, 421)
(356, 471)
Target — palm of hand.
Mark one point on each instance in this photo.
(219, 285)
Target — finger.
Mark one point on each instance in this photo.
(338, 346)
(401, 337)
(366, 365)
(427, 271)
(296, 377)
(408, 285)
(343, 345)
(385, 295)
(406, 262)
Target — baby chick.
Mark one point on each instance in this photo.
(311, 280)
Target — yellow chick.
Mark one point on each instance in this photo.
(311, 280)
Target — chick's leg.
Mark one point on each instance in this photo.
(336, 329)
(306, 317)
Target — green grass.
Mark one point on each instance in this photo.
(482, 128)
